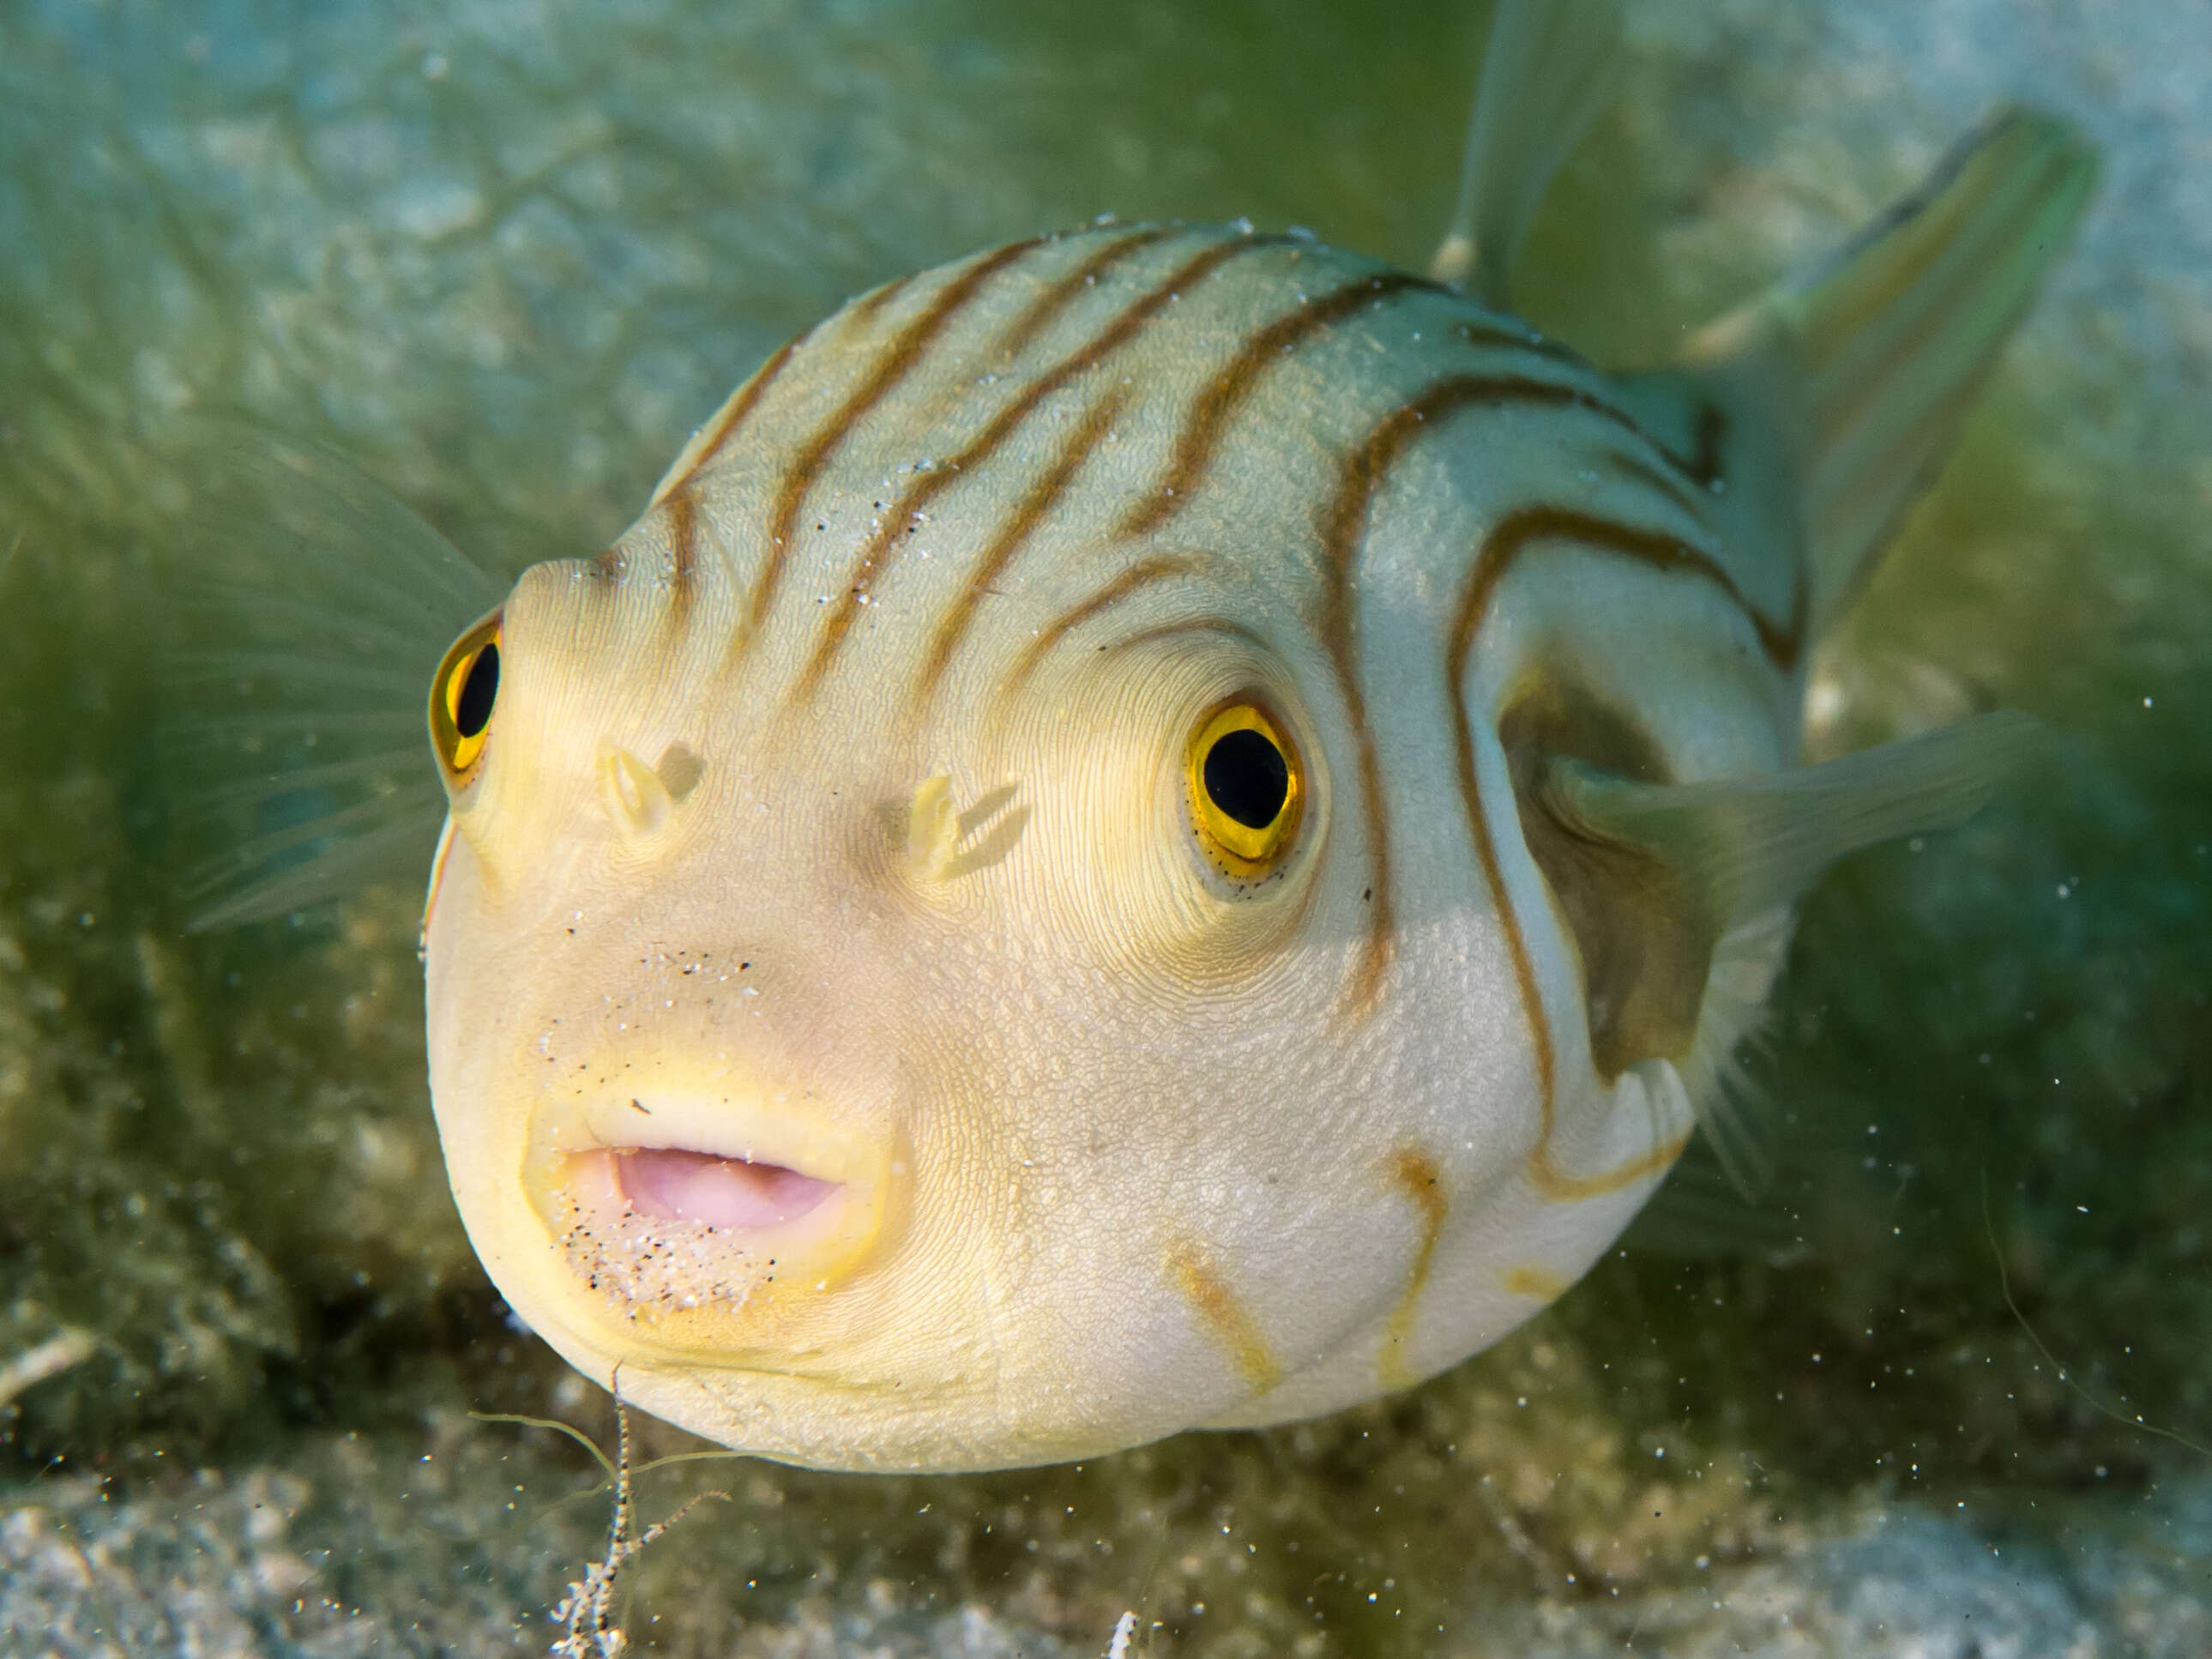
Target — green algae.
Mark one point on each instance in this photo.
(508, 285)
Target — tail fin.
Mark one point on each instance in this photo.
(1547, 70)
(1875, 356)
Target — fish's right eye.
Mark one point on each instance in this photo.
(462, 697)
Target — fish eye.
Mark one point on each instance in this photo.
(462, 695)
(1247, 790)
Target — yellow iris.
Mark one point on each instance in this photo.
(1247, 789)
(462, 694)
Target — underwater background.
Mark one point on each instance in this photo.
(1942, 1388)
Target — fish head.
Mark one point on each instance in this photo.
(885, 1071)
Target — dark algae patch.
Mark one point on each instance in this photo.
(506, 274)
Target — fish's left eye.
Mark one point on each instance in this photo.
(1247, 789)
(462, 696)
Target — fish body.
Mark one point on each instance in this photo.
(1168, 826)
(1155, 1144)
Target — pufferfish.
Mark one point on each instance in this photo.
(1170, 826)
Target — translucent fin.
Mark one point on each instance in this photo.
(1750, 845)
(306, 609)
(1547, 72)
(1677, 897)
(1729, 1105)
(1705, 1211)
(1855, 377)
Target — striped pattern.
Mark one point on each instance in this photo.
(1111, 437)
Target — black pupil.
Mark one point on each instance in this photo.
(1248, 778)
(472, 710)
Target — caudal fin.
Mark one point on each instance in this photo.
(1872, 359)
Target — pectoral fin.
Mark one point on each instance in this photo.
(1745, 845)
(1650, 876)
(303, 610)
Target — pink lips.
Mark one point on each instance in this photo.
(674, 1185)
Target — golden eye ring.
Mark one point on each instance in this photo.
(463, 693)
(1247, 788)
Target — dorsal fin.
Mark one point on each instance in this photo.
(1547, 71)
(1841, 391)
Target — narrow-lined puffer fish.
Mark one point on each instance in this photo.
(1172, 826)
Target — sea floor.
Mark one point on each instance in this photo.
(353, 1546)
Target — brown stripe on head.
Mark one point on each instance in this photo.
(1365, 991)
(682, 509)
(1558, 1186)
(1486, 336)
(1145, 573)
(1062, 292)
(741, 403)
(1540, 1283)
(1702, 464)
(1343, 534)
(881, 549)
(1780, 642)
(1219, 400)
(1466, 621)
(1014, 533)
(897, 360)
(871, 305)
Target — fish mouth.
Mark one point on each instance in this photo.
(678, 1204)
(675, 1184)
